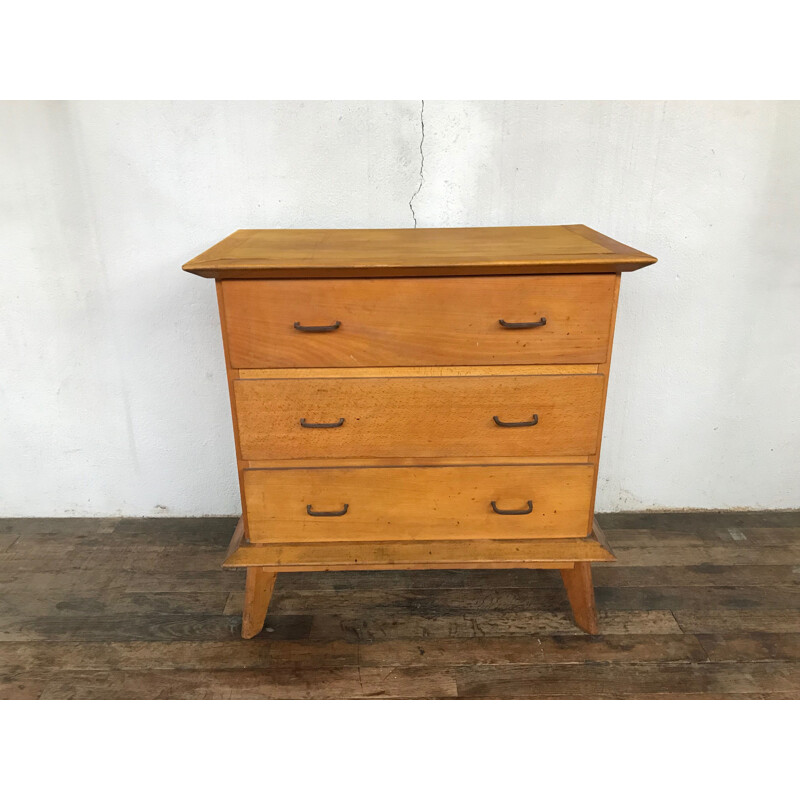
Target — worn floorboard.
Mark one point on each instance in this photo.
(699, 605)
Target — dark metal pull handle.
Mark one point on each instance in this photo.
(312, 513)
(524, 424)
(513, 512)
(504, 324)
(317, 328)
(304, 424)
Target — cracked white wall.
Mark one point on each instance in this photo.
(112, 396)
(421, 162)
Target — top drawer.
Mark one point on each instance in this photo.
(542, 319)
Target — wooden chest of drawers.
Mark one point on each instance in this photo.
(417, 399)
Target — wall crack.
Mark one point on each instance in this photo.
(421, 162)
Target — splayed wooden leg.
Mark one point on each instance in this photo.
(578, 583)
(257, 593)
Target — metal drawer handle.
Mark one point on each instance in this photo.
(317, 328)
(523, 424)
(312, 513)
(304, 424)
(504, 324)
(513, 512)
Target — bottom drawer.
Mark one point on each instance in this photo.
(329, 504)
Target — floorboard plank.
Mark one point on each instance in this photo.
(543, 649)
(382, 626)
(730, 537)
(744, 621)
(25, 603)
(67, 581)
(261, 653)
(721, 554)
(275, 684)
(694, 521)
(268, 653)
(751, 646)
(22, 685)
(75, 528)
(697, 575)
(147, 628)
(628, 681)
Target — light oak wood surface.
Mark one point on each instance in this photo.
(412, 461)
(578, 583)
(393, 390)
(257, 593)
(396, 503)
(230, 375)
(595, 458)
(418, 322)
(419, 372)
(419, 417)
(421, 251)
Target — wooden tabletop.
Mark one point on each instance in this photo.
(415, 252)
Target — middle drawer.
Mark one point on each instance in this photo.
(477, 416)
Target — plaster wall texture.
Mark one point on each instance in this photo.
(112, 388)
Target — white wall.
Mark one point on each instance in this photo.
(112, 391)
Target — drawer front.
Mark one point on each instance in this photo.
(552, 415)
(418, 321)
(418, 503)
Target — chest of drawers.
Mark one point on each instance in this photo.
(417, 399)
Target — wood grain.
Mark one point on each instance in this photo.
(716, 620)
(485, 554)
(391, 626)
(697, 556)
(257, 592)
(539, 649)
(606, 368)
(237, 539)
(580, 591)
(418, 251)
(417, 503)
(134, 608)
(418, 417)
(230, 374)
(710, 523)
(266, 653)
(142, 627)
(411, 461)
(755, 646)
(418, 322)
(407, 452)
(476, 595)
(624, 680)
(420, 372)
(269, 684)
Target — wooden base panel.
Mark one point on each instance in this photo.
(470, 554)
(572, 557)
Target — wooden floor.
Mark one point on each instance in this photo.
(697, 606)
